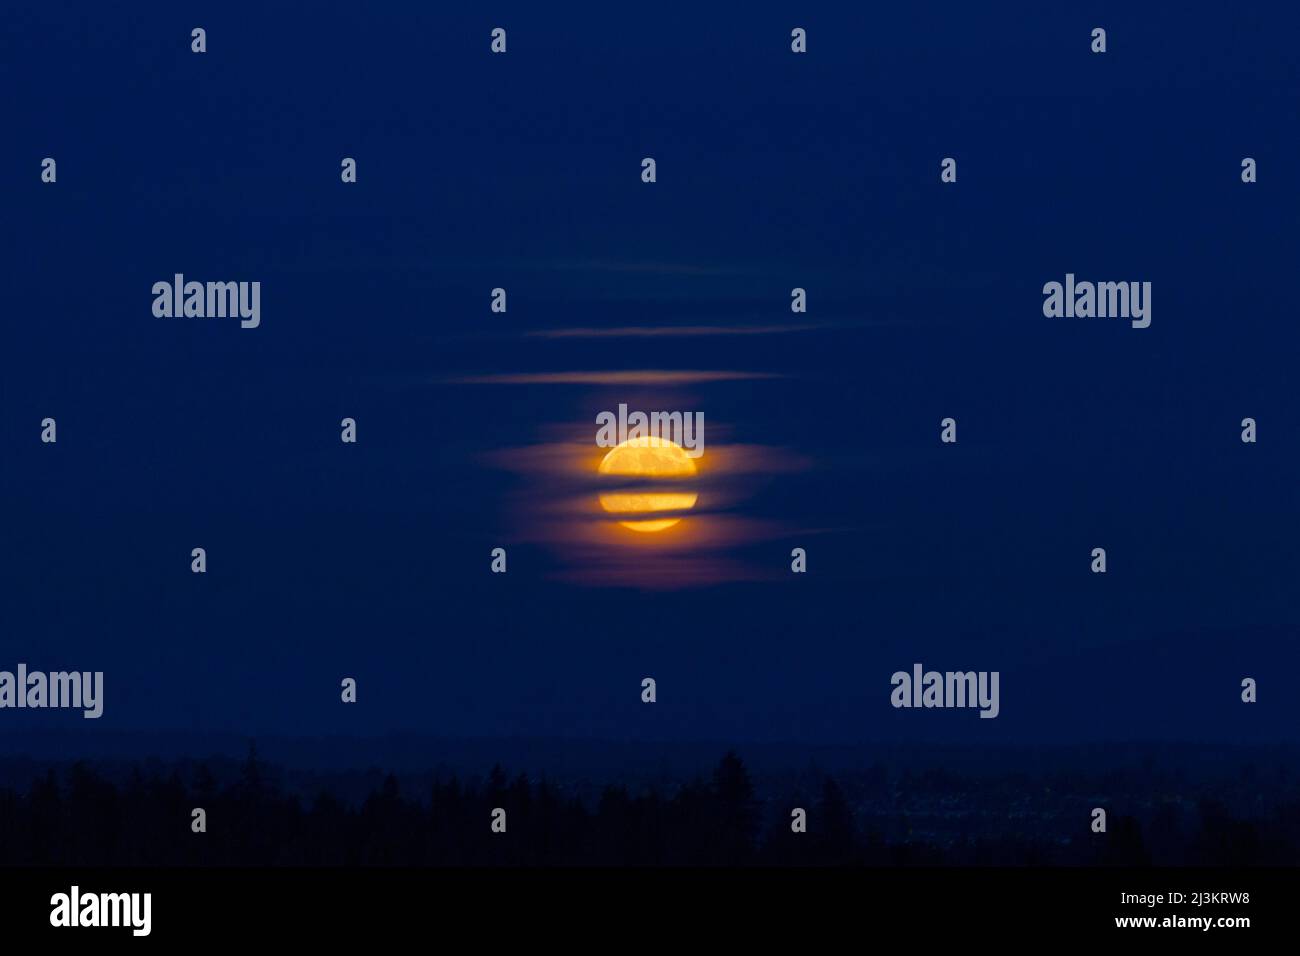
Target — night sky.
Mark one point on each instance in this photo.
(775, 170)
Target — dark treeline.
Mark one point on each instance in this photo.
(80, 817)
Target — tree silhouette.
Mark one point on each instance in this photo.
(82, 817)
(734, 813)
(836, 840)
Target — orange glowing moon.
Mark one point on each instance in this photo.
(654, 458)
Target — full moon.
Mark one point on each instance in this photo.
(647, 457)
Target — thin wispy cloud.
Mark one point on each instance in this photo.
(621, 377)
(669, 331)
(645, 268)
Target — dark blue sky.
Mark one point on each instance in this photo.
(774, 171)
